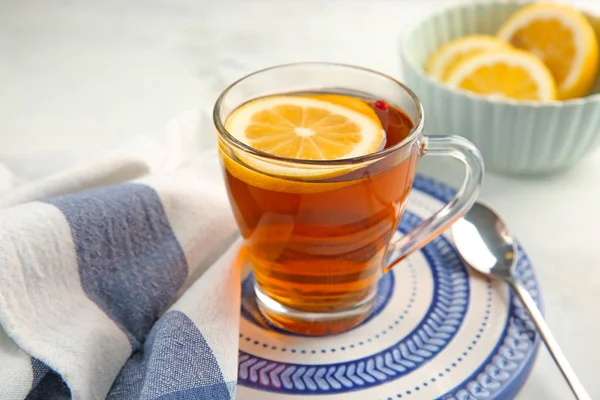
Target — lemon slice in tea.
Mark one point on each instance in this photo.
(306, 127)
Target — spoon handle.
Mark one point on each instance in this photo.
(553, 347)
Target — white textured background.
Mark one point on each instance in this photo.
(80, 76)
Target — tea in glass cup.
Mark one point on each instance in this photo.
(318, 161)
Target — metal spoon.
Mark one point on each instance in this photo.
(485, 244)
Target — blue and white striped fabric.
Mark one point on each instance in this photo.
(122, 290)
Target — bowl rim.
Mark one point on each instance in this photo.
(409, 60)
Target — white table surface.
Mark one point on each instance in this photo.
(80, 75)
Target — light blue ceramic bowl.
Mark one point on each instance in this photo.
(514, 137)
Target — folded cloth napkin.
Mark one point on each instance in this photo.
(118, 277)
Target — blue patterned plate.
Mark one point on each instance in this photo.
(438, 331)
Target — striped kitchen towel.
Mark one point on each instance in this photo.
(118, 278)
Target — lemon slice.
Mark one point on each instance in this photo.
(511, 74)
(562, 38)
(453, 52)
(305, 128)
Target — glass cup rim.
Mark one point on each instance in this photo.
(412, 136)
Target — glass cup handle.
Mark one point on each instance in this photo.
(463, 150)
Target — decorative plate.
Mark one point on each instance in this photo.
(438, 331)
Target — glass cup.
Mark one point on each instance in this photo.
(318, 234)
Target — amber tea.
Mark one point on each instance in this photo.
(318, 246)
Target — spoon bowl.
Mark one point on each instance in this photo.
(490, 250)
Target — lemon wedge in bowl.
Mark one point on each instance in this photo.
(453, 52)
(562, 38)
(509, 74)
